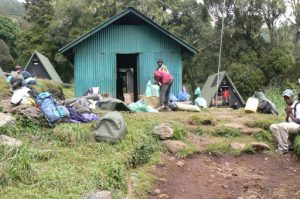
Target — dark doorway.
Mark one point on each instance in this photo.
(127, 76)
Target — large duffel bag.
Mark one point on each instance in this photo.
(51, 110)
(111, 128)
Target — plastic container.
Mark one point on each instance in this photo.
(251, 105)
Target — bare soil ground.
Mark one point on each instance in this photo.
(212, 177)
(204, 176)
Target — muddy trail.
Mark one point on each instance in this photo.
(228, 176)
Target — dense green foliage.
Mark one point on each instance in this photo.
(257, 47)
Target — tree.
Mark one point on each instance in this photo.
(246, 78)
(8, 33)
(276, 62)
(6, 60)
(271, 11)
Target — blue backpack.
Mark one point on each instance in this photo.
(51, 110)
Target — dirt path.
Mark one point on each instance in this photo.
(203, 176)
(213, 177)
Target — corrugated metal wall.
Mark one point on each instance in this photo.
(95, 58)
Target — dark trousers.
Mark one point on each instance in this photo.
(164, 93)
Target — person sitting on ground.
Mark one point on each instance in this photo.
(165, 80)
(25, 73)
(161, 66)
(286, 131)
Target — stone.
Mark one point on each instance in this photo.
(164, 131)
(237, 146)
(174, 146)
(99, 195)
(163, 196)
(6, 119)
(259, 146)
(30, 112)
(224, 186)
(163, 180)
(6, 140)
(180, 163)
(172, 158)
(252, 197)
(157, 192)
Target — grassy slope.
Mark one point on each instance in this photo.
(66, 162)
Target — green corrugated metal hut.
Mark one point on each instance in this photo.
(40, 66)
(129, 42)
(210, 89)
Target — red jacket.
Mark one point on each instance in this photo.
(162, 77)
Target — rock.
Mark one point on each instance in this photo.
(6, 120)
(163, 196)
(180, 163)
(156, 191)
(164, 131)
(237, 146)
(30, 112)
(259, 146)
(234, 174)
(252, 197)
(6, 105)
(172, 158)
(99, 195)
(6, 140)
(224, 186)
(163, 180)
(174, 146)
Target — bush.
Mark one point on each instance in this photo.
(247, 79)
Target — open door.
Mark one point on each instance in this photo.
(127, 76)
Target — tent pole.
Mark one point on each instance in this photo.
(220, 53)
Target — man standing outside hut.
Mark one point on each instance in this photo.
(285, 131)
(165, 80)
(161, 66)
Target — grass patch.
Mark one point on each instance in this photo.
(54, 88)
(4, 88)
(180, 132)
(264, 136)
(226, 132)
(202, 120)
(218, 148)
(189, 150)
(297, 146)
(69, 92)
(264, 123)
(73, 134)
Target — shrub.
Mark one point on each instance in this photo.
(297, 146)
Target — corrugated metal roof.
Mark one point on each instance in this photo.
(47, 65)
(138, 14)
(210, 87)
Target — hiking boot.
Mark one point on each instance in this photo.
(281, 151)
